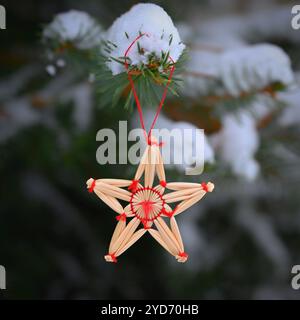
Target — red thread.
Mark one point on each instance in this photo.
(154, 143)
(145, 223)
(147, 208)
(121, 216)
(91, 188)
(183, 255)
(168, 213)
(204, 186)
(113, 257)
(134, 185)
(164, 95)
(163, 183)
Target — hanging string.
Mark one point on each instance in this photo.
(135, 95)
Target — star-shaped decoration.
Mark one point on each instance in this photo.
(148, 206)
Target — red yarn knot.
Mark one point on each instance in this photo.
(145, 223)
(113, 257)
(204, 186)
(183, 255)
(163, 183)
(134, 185)
(121, 216)
(167, 213)
(91, 188)
(154, 143)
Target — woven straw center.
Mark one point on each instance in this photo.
(147, 204)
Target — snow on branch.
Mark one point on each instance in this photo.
(162, 37)
(235, 72)
(255, 67)
(237, 143)
(75, 27)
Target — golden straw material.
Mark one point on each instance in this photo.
(176, 232)
(147, 203)
(118, 230)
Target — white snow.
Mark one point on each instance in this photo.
(221, 32)
(261, 106)
(234, 30)
(202, 71)
(75, 26)
(61, 63)
(21, 114)
(82, 98)
(291, 114)
(254, 67)
(143, 18)
(237, 143)
(261, 23)
(51, 70)
(235, 71)
(185, 31)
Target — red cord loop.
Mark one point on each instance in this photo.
(136, 98)
(121, 216)
(91, 188)
(204, 186)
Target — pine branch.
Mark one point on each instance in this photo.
(149, 81)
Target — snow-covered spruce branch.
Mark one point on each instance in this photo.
(237, 73)
(161, 39)
(215, 75)
(71, 36)
(73, 28)
(225, 77)
(150, 59)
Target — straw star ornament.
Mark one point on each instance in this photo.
(148, 206)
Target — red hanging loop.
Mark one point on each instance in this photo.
(164, 95)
